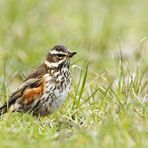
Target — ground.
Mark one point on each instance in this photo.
(107, 105)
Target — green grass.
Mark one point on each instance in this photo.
(108, 103)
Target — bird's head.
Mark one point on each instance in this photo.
(59, 56)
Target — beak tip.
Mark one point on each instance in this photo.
(72, 54)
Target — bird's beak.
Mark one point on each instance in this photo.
(71, 54)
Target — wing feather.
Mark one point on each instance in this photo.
(31, 83)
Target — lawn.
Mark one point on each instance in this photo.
(108, 102)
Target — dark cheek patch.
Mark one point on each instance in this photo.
(55, 59)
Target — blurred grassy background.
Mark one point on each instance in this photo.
(98, 30)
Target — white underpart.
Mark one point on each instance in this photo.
(60, 95)
(47, 77)
(51, 64)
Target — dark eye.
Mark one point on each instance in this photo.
(60, 55)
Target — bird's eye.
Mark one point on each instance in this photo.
(60, 55)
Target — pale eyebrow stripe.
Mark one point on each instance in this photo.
(57, 52)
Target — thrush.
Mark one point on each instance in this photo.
(46, 88)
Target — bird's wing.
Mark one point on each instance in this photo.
(31, 87)
(38, 72)
(22, 91)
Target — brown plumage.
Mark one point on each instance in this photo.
(46, 88)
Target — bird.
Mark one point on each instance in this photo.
(46, 88)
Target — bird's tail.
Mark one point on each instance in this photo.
(8, 105)
(3, 109)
